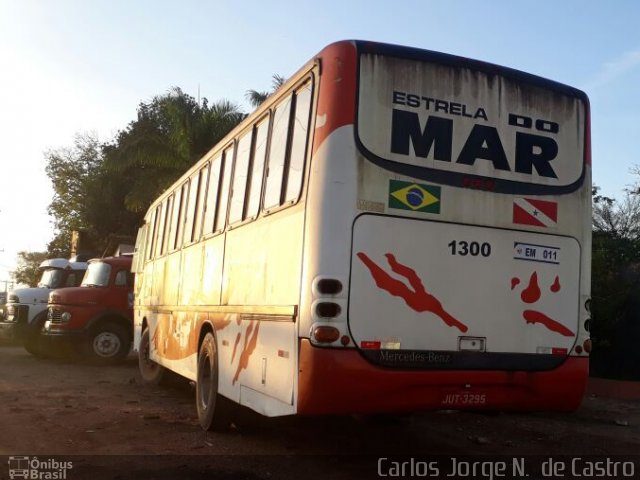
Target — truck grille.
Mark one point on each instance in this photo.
(16, 313)
(54, 315)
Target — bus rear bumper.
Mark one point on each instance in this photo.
(341, 381)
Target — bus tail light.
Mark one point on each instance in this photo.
(326, 334)
(328, 309)
(587, 345)
(329, 286)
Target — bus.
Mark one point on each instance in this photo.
(393, 230)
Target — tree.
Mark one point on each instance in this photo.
(257, 98)
(616, 219)
(70, 170)
(171, 133)
(73, 173)
(105, 189)
(615, 283)
(27, 271)
(87, 196)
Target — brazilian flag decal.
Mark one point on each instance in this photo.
(412, 196)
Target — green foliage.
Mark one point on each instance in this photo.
(104, 190)
(27, 272)
(611, 285)
(87, 196)
(615, 278)
(618, 220)
(256, 98)
(71, 170)
(171, 133)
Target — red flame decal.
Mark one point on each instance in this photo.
(532, 316)
(417, 299)
(531, 294)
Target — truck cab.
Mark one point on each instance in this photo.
(26, 308)
(96, 317)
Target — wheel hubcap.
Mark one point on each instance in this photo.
(106, 344)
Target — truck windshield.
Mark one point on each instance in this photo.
(97, 275)
(51, 278)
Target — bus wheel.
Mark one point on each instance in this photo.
(108, 343)
(213, 409)
(151, 372)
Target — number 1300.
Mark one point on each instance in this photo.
(464, 248)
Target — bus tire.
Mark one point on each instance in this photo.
(151, 372)
(214, 410)
(108, 343)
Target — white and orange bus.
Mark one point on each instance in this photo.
(393, 230)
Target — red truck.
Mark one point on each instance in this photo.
(96, 317)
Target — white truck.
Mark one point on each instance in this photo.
(26, 309)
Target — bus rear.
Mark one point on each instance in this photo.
(451, 234)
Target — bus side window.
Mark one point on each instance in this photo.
(181, 214)
(257, 168)
(277, 154)
(223, 197)
(240, 175)
(167, 224)
(299, 143)
(212, 196)
(175, 220)
(151, 239)
(197, 223)
(161, 221)
(194, 188)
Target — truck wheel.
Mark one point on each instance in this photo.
(33, 341)
(214, 410)
(108, 343)
(151, 372)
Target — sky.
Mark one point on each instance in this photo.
(77, 66)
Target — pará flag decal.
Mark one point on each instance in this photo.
(539, 213)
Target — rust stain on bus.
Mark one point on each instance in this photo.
(235, 346)
(250, 344)
(165, 341)
(221, 324)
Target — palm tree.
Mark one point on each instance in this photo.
(171, 133)
(256, 98)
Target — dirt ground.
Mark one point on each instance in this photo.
(53, 408)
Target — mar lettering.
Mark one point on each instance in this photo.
(483, 143)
